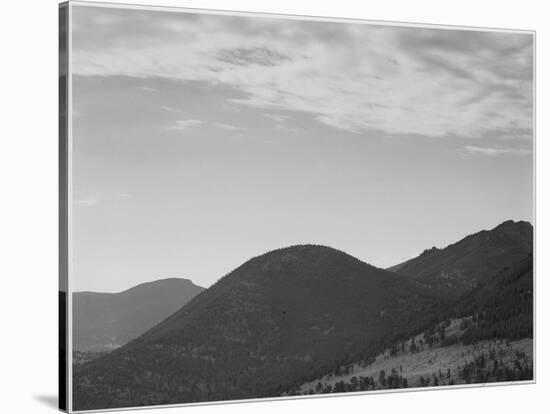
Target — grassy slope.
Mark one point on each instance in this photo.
(426, 362)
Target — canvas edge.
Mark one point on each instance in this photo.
(315, 396)
(63, 176)
(302, 17)
(65, 170)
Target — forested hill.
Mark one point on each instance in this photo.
(281, 317)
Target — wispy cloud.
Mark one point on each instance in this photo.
(261, 56)
(355, 77)
(229, 127)
(86, 202)
(183, 124)
(172, 109)
(496, 151)
(277, 118)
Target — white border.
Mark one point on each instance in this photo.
(160, 8)
(314, 396)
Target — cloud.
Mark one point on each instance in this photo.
(229, 127)
(183, 124)
(353, 77)
(496, 151)
(277, 118)
(86, 202)
(171, 109)
(261, 56)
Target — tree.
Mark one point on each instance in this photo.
(382, 378)
(340, 386)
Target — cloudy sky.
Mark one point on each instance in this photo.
(203, 140)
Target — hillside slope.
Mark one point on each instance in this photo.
(458, 267)
(278, 319)
(485, 336)
(481, 362)
(103, 321)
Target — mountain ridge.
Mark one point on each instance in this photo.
(139, 285)
(105, 320)
(459, 266)
(502, 225)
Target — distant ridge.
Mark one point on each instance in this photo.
(102, 321)
(141, 285)
(476, 258)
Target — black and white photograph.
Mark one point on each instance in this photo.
(261, 206)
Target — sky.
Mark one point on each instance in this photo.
(203, 140)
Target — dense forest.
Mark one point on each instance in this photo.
(501, 308)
